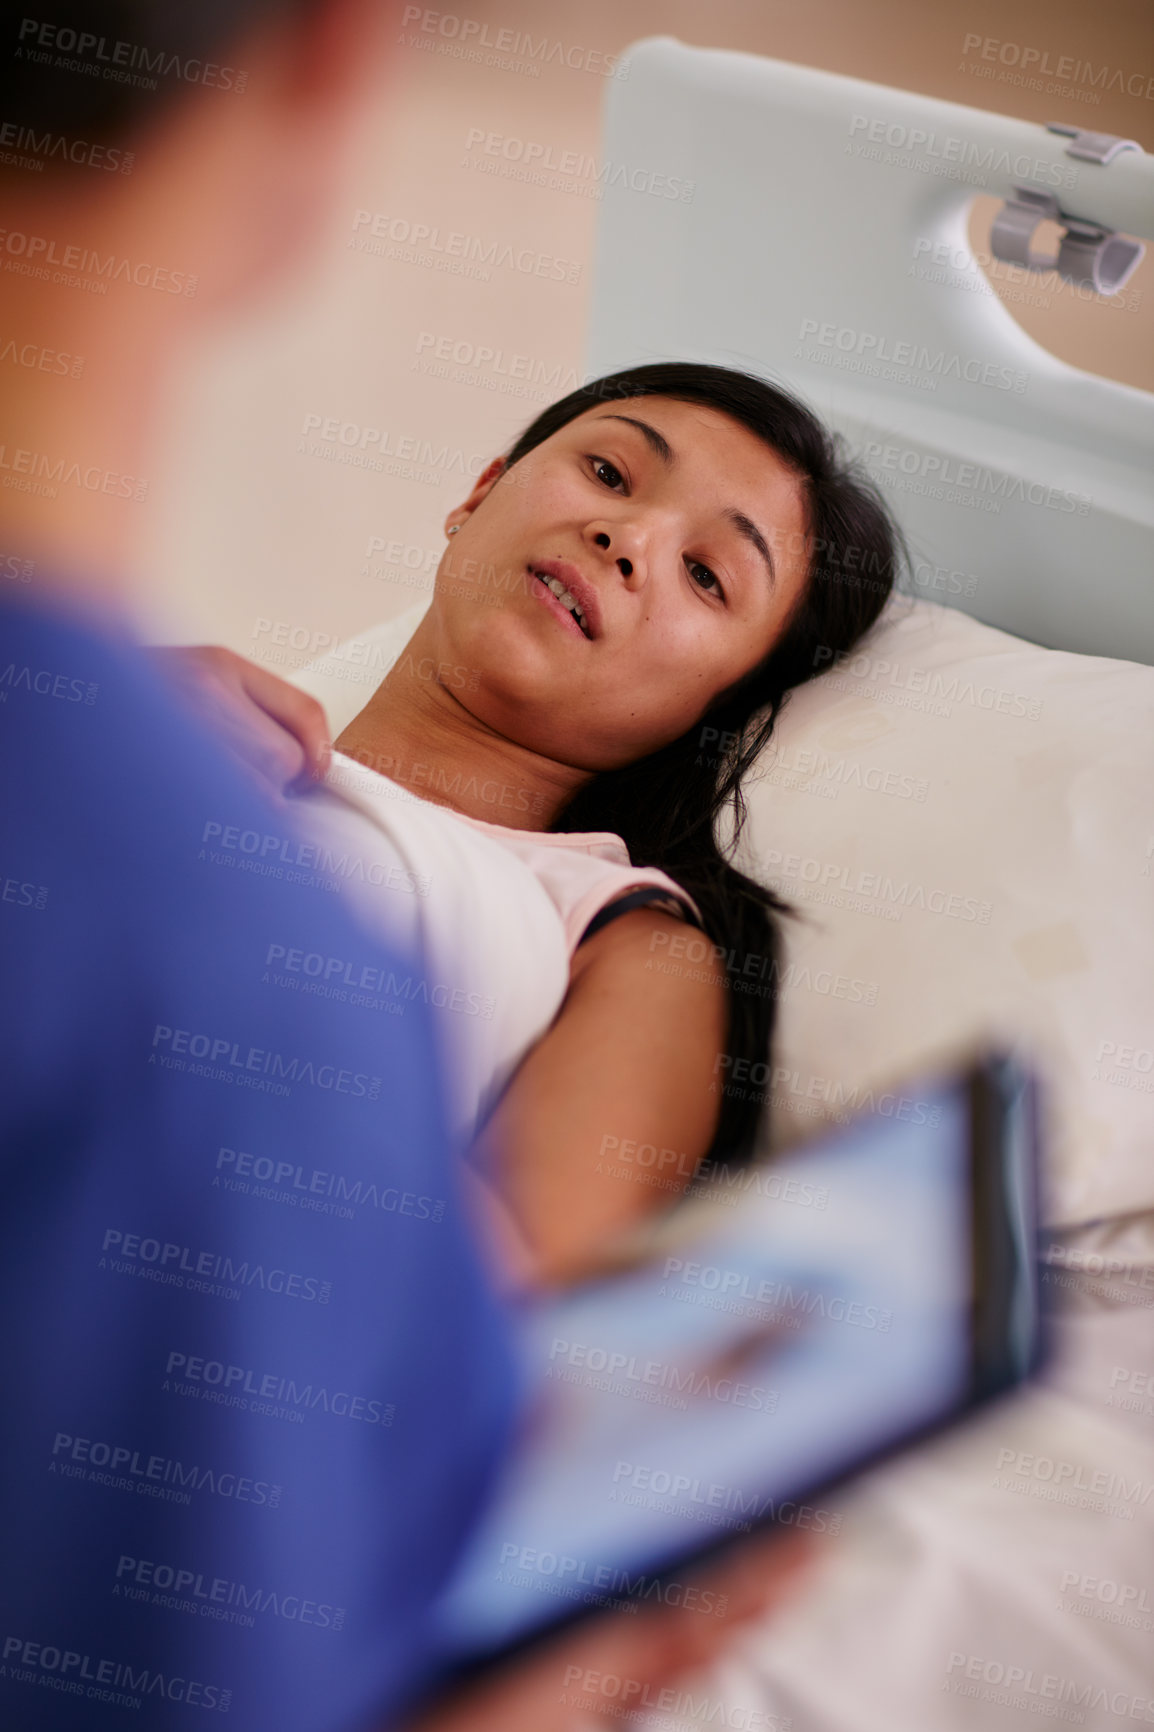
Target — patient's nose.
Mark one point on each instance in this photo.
(625, 566)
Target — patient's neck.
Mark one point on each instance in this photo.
(416, 732)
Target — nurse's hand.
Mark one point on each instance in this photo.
(615, 1665)
(267, 723)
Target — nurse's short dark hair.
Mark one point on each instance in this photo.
(101, 72)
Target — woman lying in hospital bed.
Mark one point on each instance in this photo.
(623, 603)
(949, 1599)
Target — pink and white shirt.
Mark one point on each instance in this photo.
(496, 913)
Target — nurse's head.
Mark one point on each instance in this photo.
(663, 551)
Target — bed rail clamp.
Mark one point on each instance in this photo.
(1100, 147)
(1089, 255)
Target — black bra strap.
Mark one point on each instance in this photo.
(647, 894)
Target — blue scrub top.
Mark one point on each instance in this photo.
(255, 1382)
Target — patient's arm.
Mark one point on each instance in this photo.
(630, 1057)
(280, 731)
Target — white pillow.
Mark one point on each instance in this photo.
(966, 822)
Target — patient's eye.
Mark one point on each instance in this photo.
(702, 576)
(607, 473)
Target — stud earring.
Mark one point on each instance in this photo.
(453, 528)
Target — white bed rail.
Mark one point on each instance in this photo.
(818, 236)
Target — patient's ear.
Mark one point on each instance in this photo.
(484, 484)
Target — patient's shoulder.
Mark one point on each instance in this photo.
(630, 958)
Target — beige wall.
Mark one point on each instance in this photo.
(254, 539)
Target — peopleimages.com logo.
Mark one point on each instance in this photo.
(122, 1682)
(222, 1058)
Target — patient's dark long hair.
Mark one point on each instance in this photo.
(666, 806)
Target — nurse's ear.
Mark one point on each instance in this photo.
(483, 485)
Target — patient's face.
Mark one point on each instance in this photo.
(660, 549)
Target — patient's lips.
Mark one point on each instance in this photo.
(568, 595)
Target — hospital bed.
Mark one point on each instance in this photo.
(825, 247)
(980, 775)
